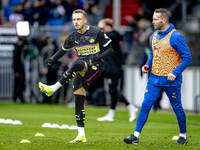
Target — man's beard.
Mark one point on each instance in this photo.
(159, 26)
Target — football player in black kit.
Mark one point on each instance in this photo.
(113, 69)
(88, 42)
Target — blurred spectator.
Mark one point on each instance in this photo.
(149, 8)
(141, 14)
(173, 6)
(0, 15)
(28, 8)
(68, 9)
(129, 36)
(58, 12)
(95, 10)
(136, 37)
(175, 10)
(76, 4)
(16, 16)
(38, 14)
(96, 15)
(145, 29)
(19, 79)
(134, 27)
(0, 11)
(66, 92)
(86, 8)
(102, 5)
(0, 21)
(113, 70)
(29, 59)
(49, 49)
(70, 6)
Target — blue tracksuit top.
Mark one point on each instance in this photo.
(177, 42)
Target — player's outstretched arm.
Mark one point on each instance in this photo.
(56, 56)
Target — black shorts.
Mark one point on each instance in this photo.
(93, 72)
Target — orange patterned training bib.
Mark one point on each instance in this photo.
(165, 58)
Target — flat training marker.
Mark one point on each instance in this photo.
(25, 141)
(175, 138)
(39, 134)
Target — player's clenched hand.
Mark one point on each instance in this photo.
(49, 61)
(171, 77)
(145, 68)
(93, 59)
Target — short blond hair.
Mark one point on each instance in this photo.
(80, 11)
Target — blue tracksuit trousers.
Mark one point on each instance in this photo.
(151, 95)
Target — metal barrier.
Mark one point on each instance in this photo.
(8, 37)
(6, 74)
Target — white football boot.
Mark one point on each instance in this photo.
(132, 112)
(108, 117)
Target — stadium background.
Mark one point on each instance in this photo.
(185, 15)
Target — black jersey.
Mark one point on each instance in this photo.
(113, 63)
(87, 44)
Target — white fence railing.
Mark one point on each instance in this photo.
(6, 75)
(134, 88)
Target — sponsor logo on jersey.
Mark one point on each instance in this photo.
(87, 49)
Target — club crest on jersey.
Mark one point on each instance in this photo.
(91, 40)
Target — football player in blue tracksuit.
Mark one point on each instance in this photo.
(169, 57)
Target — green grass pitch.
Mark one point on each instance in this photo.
(157, 134)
